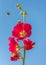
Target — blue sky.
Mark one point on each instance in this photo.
(36, 10)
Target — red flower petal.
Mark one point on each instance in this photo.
(28, 44)
(13, 45)
(15, 57)
(22, 30)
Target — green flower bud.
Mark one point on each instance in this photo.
(23, 13)
(19, 6)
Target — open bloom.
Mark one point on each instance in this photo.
(28, 44)
(22, 30)
(15, 56)
(13, 45)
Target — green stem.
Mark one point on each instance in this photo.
(24, 56)
(21, 47)
(24, 18)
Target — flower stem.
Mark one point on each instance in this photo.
(24, 18)
(24, 56)
(21, 47)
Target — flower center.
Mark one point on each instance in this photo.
(22, 34)
(13, 54)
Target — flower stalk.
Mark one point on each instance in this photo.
(24, 56)
(23, 13)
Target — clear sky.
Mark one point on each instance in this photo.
(36, 10)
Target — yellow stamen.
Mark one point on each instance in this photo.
(13, 54)
(17, 49)
(33, 46)
(22, 34)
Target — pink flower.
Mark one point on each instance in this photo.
(28, 44)
(22, 30)
(13, 45)
(15, 57)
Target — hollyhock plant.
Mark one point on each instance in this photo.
(21, 31)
